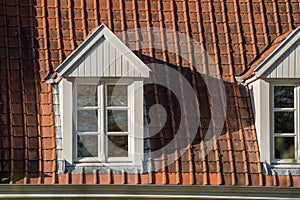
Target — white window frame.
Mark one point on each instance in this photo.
(296, 134)
(130, 109)
(99, 109)
(261, 91)
(67, 94)
(102, 120)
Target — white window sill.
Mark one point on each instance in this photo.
(281, 169)
(284, 162)
(102, 168)
(286, 166)
(98, 160)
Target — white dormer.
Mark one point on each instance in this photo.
(275, 92)
(100, 97)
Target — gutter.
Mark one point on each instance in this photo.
(147, 192)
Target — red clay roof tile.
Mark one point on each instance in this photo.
(265, 53)
(36, 36)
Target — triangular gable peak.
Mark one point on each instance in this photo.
(102, 54)
(284, 61)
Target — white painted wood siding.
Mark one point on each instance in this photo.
(260, 97)
(288, 66)
(103, 60)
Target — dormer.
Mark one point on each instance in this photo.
(98, 104)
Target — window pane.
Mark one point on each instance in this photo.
(284, 148)
(87, 146)
(118, 146)
(117, 95)
(117, 120)
(284, 96)
(87, 120)
(87, 95)
(284, 122)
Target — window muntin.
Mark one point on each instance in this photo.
(102, 122)
(284, 112)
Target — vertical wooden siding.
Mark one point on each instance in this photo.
(104, 60)
(288, 66)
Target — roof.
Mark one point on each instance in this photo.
(37, 36)
(278, 46)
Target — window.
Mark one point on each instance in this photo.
(276, 109)
(103, 126)
(103, 122)
(285, 127)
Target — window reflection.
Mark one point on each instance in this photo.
(117, 120)
(283, 96)
(284, 148)
(87, 146)
(87, 95)
(87, 120)
(284, 122)
(118, 146)
(117, 95)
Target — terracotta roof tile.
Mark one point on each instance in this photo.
(36, 36)
(265, 53)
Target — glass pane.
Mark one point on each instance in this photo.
(117, 95)
(284, 96)
(87, 95)
(284, 122)
(118, 146)
(284, 148)
(87, 146)
(87, 120)
(117, 120)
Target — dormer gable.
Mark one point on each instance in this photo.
(102, 54)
